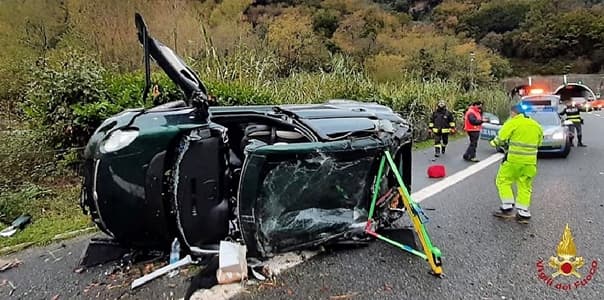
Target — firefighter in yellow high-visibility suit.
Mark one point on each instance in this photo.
(522, 136)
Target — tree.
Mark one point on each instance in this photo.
(493, 41)
(496, 16)
(326, 22)
(292, 36)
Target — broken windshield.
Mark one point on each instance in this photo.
(305, 196)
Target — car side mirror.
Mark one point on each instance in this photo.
(567, 123)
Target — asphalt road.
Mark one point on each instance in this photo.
(483, 258)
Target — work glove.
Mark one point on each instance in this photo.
(493, 143)
(453, 131)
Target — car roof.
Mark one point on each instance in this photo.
(547, 96)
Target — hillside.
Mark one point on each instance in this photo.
(425, 37)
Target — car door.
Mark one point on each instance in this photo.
(489, 130)
(292, 195)
(198, 188)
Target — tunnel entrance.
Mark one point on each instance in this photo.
(575, 92)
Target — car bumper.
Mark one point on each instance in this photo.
(553, 146)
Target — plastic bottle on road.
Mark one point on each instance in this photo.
(175, 252)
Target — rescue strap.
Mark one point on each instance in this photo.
(430, 253)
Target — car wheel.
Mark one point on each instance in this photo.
(566, 151)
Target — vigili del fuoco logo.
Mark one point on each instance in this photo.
(566, 264)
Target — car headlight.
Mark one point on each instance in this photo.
(558, 135)
(119, 139)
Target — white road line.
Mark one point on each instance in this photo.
(441, 185)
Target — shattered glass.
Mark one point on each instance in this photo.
(313, 198)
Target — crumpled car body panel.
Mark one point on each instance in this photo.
(274, 177)
(301, 194)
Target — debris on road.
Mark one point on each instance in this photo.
(100, 251)
(5, 282)
(157, 273)
(18, 224)
(201, 287)
(287, 260)
(232, 266)
(219, 292)
(6, 264)
(343, 297)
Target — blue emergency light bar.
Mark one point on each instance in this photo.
(542, 109)
(530, 107)
(525, 107)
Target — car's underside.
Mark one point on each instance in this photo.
(275, 178)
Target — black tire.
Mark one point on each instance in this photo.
(566, 151)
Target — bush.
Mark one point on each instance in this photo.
(15, 203)
(70, 99)
(25, 156)
(71, 94)
(126, 90)
(325, 22)
(236, 93)
(61, 82)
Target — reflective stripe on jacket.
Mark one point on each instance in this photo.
(523, 136)
(468, 126)
(442, 121)
(573, 114)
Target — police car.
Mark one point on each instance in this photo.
(556, 134)
(548, 101)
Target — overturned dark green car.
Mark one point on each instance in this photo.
(276, 178)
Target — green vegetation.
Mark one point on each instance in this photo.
(36, 180)
(52, 209)
(66, 65)
(539, 37)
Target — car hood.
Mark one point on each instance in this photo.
(548, 130)
(170, 62)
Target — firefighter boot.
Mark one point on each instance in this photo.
(444, 147)
(523, 216)
(436, 150)
(504, 213)
(580, 139)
